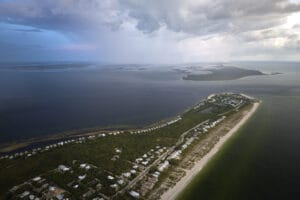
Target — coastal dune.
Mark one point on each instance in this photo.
(172, 193)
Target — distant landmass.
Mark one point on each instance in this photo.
(222, 74)
(44, 66)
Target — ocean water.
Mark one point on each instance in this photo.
(262, 160)
(38, 100)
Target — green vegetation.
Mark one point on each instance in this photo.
(101, 153)
(97, 152)
(223, 74)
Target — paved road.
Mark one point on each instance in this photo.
(156, 162)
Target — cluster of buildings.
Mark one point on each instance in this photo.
(147, 157)
(34, 151)
(84, 180)
(155, 127)
(77, 180)
(38, 188)
(28, 153)
(44, 187)
(150, 179)
(230, 99)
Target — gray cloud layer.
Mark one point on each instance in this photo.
(247, 21)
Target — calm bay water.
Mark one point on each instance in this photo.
(35, 103)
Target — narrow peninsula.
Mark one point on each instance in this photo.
(153, 162)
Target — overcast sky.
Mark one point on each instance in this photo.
(149, 31)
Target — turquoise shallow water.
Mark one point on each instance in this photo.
(262, 161)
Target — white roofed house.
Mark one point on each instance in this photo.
(81, 177)
(175, 155)
(134, 194)
(36, 179)
(135, 167)
(156, 174)
(83, 165)
(145, 163)
(63, 168)
(163, 166)
(184, 146)
(24, 194)
(120, 182)
(117, 150)
(114, 186)
(127, 174)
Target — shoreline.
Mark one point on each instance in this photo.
(173, 193)
(16, 146)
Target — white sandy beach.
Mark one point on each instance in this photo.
(172, 193)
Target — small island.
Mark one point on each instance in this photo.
(223, 74)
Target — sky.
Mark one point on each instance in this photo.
(149, 31)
